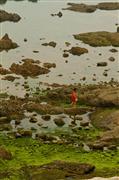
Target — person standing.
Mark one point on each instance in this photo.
(74, 97)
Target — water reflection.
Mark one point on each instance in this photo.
(5, 1)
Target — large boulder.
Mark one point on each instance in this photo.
(6, 43)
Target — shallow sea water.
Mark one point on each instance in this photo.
(37, 23)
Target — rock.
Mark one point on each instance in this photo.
(5, 154)
(65, 55)
(84, 123)
(101, 96)
(59, 121)
(28, 69)
(112, 59)
(81, 7)
(5, 16)
(51, 43)
(118, 29)
(78, 51)
(6, 43)
(108, 6)
(76, 110)
(92, 8)
(33, 119)
(5, 127)
(45, 137)
(17, 122)
(25, 40)
(59, 14)
(113, 50)
(105, 73)
(46, 117)
(4, 120)
(102, 64)
(99, 38)
(4, 71)
(44, 108)
(49, 65)
(10, 78)
(25, 133)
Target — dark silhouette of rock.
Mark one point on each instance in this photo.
(5, 16)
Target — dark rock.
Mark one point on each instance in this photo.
(102, 64)
(46, 117)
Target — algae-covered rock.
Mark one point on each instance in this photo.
(99, 38)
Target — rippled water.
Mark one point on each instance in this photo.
(37, 23)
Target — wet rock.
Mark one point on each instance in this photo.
(105, 73)
(28, 69)
(10, 78)
(45, 137)
(4, 119)
(78, 51)
(67, 44)
(59, 14)
(60, 170)
(25, 133)
(33, 119)
(17, 122)
(46, 117)
(5, 16)
(35, 51)
(49, 65)
(112, 59)
(5, 127)
(4, 71)
(65, 55)
(76, 111)
(92, 8)
(84, 123)
(52, 44)
(99, 38)
(113, 50)
(6, 43)
(101, 96)
(102, 64)
(81, 7)
(59, 121)
(108, 6)
(44, 108)
(118, 29)
(25, 40)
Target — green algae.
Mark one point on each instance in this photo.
(30, 152)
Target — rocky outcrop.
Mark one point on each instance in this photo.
(101, 96)
(5, 16)
(28, 68)
(100, 38)
(78, 51)
(6, 43)
(4, 71)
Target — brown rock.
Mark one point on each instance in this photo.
(5, 16)
(78, 51)
(6, 43)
